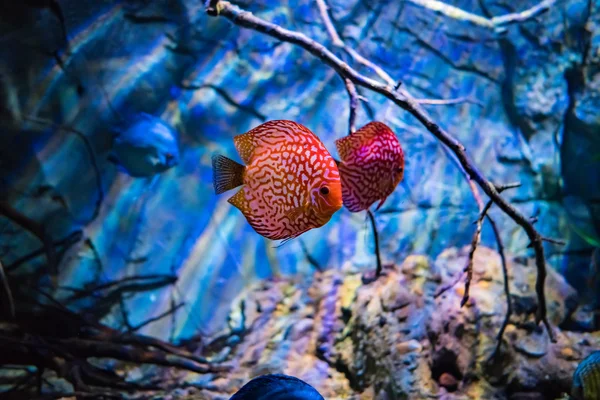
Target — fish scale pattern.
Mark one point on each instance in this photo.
(287, 167)
(372, 166)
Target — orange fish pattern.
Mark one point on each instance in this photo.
(291, 183)
(371, 166)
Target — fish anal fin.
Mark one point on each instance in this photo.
(295, 212)
(227, 174)
(239, 201)
(381, 203)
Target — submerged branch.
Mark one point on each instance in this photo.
(403, 99)
(226, 96)
(37, 229)
(500, 246)
(376, 236)
(354, 99)
(498, 24)
(91, 154)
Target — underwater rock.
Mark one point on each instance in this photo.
(405, 336)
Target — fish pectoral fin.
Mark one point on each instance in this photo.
(227, 174)
(239, 201)
(294, 213)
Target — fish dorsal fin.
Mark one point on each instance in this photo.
(344, 147)
(239, 201)
(267, 134)
(245, 146)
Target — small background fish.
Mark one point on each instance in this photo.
(372, 165)
(277, 387)
(291, 182)
(586, 379)
(148, 147)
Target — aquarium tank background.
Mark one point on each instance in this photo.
(125, 276)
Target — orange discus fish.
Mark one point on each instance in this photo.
(291, 184)
(372, 166)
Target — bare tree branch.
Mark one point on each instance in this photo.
(500, 246)
(312, 261)
(376, 237)
(403, 99)
(338, 42)
(354, 99)
(475, 242)
(91, 154)
(498, 24)
(226, 97)
(37, 229)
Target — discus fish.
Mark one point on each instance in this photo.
(148, 147)
(586, 379)
(277, 387)
(291, 183)
(371, 166)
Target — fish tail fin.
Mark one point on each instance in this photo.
(227, 174)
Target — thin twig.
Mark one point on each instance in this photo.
(91, 154)
(65, 242)
(310, 258)
(338, 42)
(226, 96)
(354, 99)
(474, 243)
(477, 238)
(37, 229)
(506, 286)
(496, 23)
(376, 239)
(403, 99)
(447, 102)
(149, 321)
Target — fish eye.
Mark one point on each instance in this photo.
(169, 156)
(399, 169)
(324, 190)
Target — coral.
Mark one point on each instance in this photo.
(404, 337)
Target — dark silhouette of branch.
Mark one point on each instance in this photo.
(476, 239)
(500, 246)
(376, 238)
(354, 99)
(316, 265)
(403, 99)
(37, 229)
(91, 154)
(149, 321)
(226, 97)
(474, 243)
(338, 42)
(65, 242)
